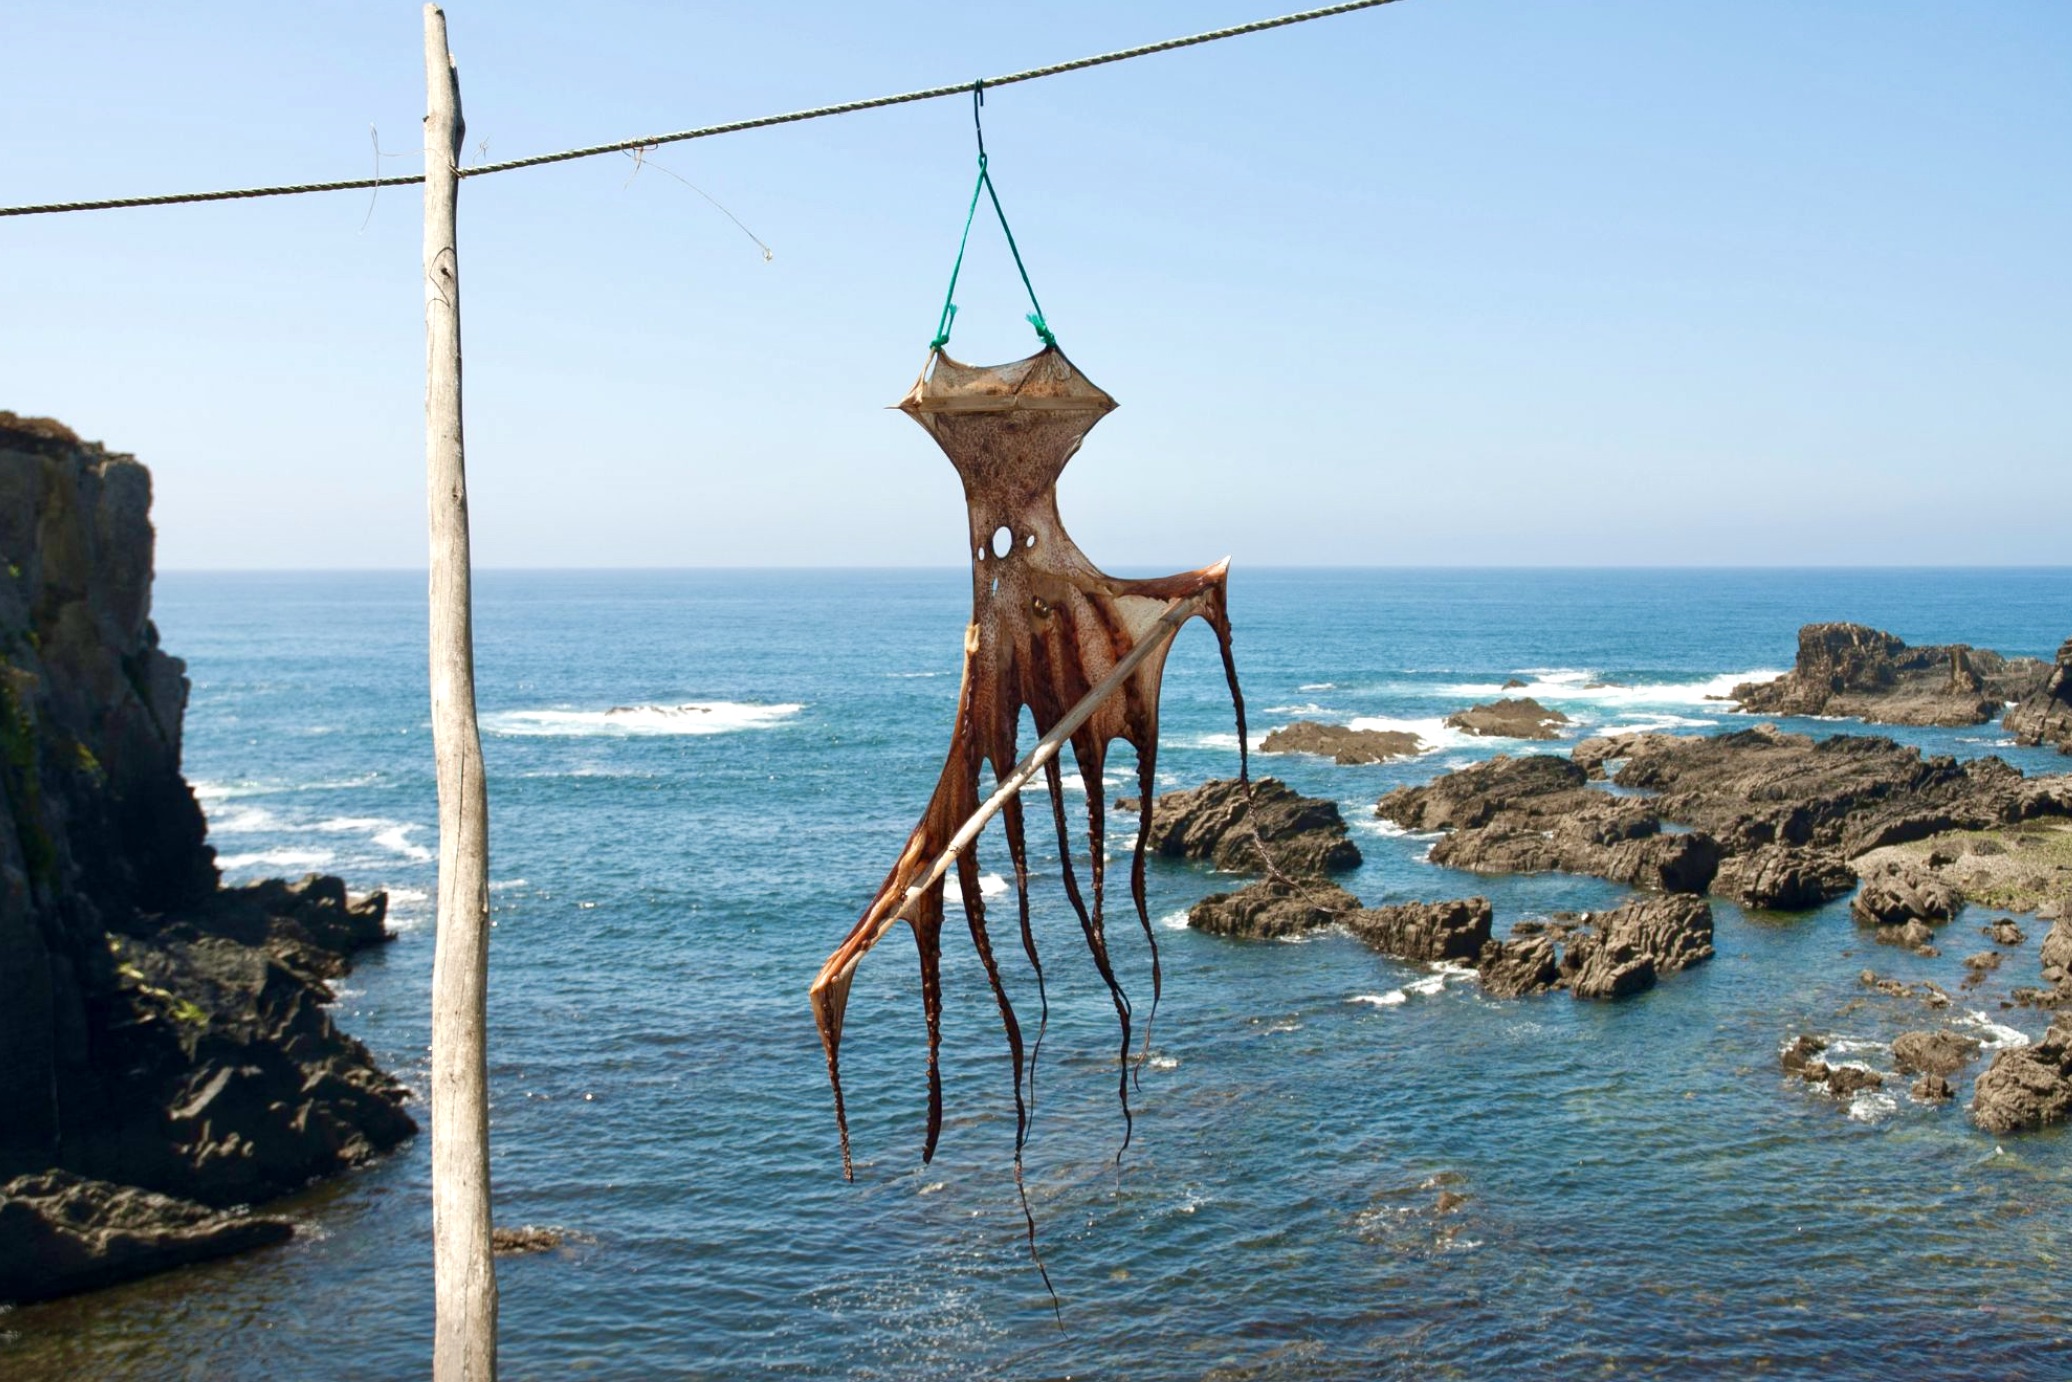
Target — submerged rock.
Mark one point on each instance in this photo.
(1845, 1080)
(1520, 718)
(61, 1233)
(2027, 1087)
(1342, 744)
(2003, 931)
(1426, 932)
(2044, 716)
(1799, 1055)
(1849, 669)
(1271, 909)
(1303, 835)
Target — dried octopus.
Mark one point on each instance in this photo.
(1047, 627)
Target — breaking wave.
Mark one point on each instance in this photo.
(692, 717)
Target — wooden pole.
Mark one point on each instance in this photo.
(464, 1273)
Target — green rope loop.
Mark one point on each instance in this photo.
(949, 302)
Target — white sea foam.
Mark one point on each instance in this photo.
(1992, 1035)
(1164, 1063)
(913, 676)
(1872, 1106)
(1433, 734)
(991, 885)
(1393, 998)
(1582, 685)
(500, 885)
(1848, 1046)
(397, 838)
(1318, 686)
(1307, 708)
(692, 717)
(1174, 921)
(243, 820)
(277, 859)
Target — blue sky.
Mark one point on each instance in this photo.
(1452, 281)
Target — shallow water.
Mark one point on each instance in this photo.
(1645, 1195)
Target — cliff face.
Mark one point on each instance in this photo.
(156, 1029)
(96, 822)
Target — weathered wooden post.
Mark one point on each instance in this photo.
(464, 1273)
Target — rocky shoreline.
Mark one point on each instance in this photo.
(166, 1053)
(1771, 821)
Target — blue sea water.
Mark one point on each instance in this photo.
(1644, 1195)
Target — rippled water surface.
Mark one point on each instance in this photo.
(698, 779)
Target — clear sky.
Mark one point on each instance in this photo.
(1452, 281)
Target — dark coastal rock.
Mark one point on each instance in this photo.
(1849, 669)
(1514, 683)
(61, 1233)
(1629, 948)
(1272, 908)
(1914, 935)
(1845, 795)
(1303, 835)
(2044, 716)
(1424, 932)
(1783, 878)
(1934, 1089)
(155, 1030)
(1520, 966)
(1928, 991)
(1845, 1080)
(1933, 1053)
(1342, 744)
(2027, 1087)
(1799, 1055)
(1520, 718)
(2003, 931)
(529, 1239)
(1538, 813)
(1898, 894)
(2057, 952)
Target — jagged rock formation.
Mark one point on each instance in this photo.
(2044, 716)
(1933, 1053)
(154, 1031)
(1540, 813)
(1850, 669)
(1273, 908)
(1783, 878)
(1520, 718)
(1342, 744)
(1305, 836)
(2027, 1087)
(1426, 932)
(1897, 894)
(1629, 948)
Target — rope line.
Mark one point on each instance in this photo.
(706, 132)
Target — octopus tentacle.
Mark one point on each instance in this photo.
(1018, 850)
(1147, 784)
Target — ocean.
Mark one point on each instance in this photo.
(697, 779)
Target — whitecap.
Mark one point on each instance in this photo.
(1993, 1036)
(1164, 1063)
(1393, 998)
(1308, 708)
(498, 886)
(991, 885)
(691, 717)
(277, 859)
(1318, 686)
(1572, 684)
(243, 820)
(1872, 1105)
(1174, 921)
(397, 838)
(1434, 733)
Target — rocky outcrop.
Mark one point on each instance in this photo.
(2027, 1087)
(1539, 813)
(1849, 669)
(1626, 950)
(61, 1233)
(1933, 1053)
(1342, 744)
(1519, 718)
(1303, 835)
(1272, 909)
(1426, 932)
(1897, 894)
(1520, 966)
(1783, 878)
(155, 1031)
(2044, 716)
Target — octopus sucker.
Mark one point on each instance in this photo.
(1048, 629)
